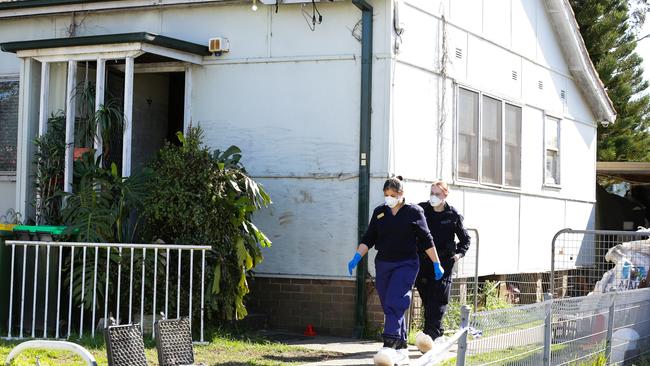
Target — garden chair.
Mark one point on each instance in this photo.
(85, 355)
(174, 342)
(125, 346)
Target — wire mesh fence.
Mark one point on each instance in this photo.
(608, 328)
(585, 261)
(465, 284)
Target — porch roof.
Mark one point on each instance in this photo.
(634, 172)
(121, 38)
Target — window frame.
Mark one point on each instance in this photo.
(10, 175)
(504, 101)
(558, 131)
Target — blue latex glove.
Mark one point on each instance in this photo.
(353, 263)
(437, 270)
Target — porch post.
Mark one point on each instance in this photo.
(42, 120)
(69, 125)
(99, 101)
(45, 93)
(187, 107)
(25, 135)
(128, 117)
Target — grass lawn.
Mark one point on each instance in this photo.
(223, 350)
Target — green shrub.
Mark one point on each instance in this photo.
(200, 197)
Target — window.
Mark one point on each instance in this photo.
(491, 141)
(8, 125)
(468, 134)
(499, 126)
(552, 151)
(513, 146)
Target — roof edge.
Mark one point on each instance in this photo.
(575, 52)
(24, 4)
(144, 37)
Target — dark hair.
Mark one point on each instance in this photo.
(394, 183)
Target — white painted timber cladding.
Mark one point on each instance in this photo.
(289, 97)
(494, 39)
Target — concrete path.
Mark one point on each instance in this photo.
(356, 352)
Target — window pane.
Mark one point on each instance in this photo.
(552, 133)
(552, 167)
(8, 124)
(491, 139)
(468, 134)
(513, 146)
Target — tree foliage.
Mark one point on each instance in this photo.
(609, 29)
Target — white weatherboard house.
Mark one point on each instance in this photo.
(499, 98)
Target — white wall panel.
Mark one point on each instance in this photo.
(541, 218)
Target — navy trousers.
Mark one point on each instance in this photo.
(435, 296)
(394, 281)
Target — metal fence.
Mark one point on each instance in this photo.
(59, 288)
(610, 328)
(585, 261)
(465, 282)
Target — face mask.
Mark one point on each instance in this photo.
(391, 201)
(435, 201)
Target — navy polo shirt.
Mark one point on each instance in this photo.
(398, 237)
(445, 226)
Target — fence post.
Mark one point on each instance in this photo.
(610, 329)
(476, 273)
(548, 320)
(462, 342)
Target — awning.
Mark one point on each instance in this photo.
(108, 46)
(629, 171)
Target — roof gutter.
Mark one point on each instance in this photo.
(30, 8)
(573, 46)
(364, 158)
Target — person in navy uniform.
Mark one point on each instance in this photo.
(397, 230)
(445, 223)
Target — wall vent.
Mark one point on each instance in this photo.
(459, 53)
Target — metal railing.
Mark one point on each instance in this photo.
(606, 328)
(88, 279)
(584, 261)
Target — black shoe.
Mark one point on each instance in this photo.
(401, 344)
(391, 342)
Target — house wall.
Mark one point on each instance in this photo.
(287, 96)
(484, 46)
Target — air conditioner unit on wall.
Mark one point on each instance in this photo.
(218, 45)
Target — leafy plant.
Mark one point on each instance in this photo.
(49, 162)
(11, 217)
(202, 197)
(108, 116)
(103, 208)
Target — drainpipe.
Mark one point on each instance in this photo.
(364, 158)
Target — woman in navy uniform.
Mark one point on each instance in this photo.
(397, 230)
(445, 223)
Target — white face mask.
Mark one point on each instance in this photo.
(391, 201)
(434, 201)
